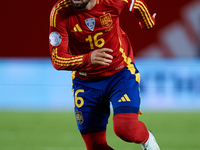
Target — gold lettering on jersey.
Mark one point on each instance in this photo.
(106, 20)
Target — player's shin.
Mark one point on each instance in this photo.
(96, 141)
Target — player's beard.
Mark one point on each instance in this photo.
(82, 5)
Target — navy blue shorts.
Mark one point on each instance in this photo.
(92, 98)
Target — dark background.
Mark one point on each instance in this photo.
(24, 26)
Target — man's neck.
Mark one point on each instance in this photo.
(90, 5)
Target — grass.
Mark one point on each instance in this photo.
(58, 131)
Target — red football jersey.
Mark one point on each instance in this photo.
(75, 33)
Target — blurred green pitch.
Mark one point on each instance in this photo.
(58, 131)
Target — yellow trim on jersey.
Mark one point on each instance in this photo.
(128, 61)
(145, 14)
(55, 10)
(60, 61)
(73, 75)
(130, 66)
(51, 16)
(132, 69)
(137, 77)
(125, 1)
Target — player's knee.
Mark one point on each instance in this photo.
(126, 132)
(127, 128)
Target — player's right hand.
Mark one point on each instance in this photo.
(101, 57)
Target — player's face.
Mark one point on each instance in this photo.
(80, 4)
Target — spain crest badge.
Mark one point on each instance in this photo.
(79, 117)
(106, 20)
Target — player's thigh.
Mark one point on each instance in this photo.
(126, 97)
(90, 108)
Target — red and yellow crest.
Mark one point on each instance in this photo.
(106, 20)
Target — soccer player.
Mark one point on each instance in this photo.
(85, 37)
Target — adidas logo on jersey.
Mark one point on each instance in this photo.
(125, 98)
(77, 28)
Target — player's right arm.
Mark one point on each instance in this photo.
(61, 56)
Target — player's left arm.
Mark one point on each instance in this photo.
(141, 11)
